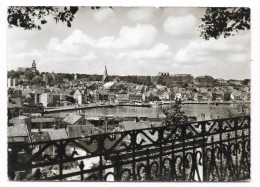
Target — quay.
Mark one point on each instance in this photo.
(69, 108)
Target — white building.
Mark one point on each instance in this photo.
(78, 96)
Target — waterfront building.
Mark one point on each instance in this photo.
(45, 99)
(135, 96)
(105, 95)
(122, 97)
(78, 97)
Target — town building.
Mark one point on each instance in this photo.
(182, 79)
(34, 67)
(74, 119)
(163, 74)
(205, 81)
(78, 97)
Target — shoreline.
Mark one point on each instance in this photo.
(69, 108)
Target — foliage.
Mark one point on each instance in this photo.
(227, 111)
(36, 80)
(28, 73)
(224, 21)
(174, 114)
(32, 17)
(13, 74)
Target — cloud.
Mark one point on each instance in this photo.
(103, 14)
(74, 44)
(182, 26)
(202, 51)
(225, 57)
(78, 42)
(141, 14)
(159, 51)
(129, 37)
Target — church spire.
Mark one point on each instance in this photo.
(105, 76)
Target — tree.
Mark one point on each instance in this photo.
(28, 73)
(224, 21)
(36, 80)
(32, 17)
(174, 114)
(13, 74)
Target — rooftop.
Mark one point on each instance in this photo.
(72, 118)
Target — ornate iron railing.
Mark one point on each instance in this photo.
(215, 150)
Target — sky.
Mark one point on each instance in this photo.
(130, 41)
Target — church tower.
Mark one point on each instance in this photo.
(105, 76)
(34, 66)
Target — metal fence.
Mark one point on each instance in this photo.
(214, 150)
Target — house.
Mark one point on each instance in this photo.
(80, 130)
(122, 97)
(150, 96)
(21, 120)
(32, 109)
(43, 123)
(165, 96)
(45, 99)
(111, 86)
(78, 97)
(105, 95)
(227, 96)
(74, 119)
(38, 135)
(237, 95)
(205, 81)
(218, 95)
(18, 133)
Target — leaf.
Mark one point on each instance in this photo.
(68, 24)
(74, 9)
(43, 21)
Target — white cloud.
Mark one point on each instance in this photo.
(203, 51)
(78, 42)
(129, 37)
(90, 56)
(74, 44)
(141, 14)
(103, 14)
(159, 51)
(183, 26)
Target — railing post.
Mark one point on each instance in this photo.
(183, 136)
(172, 163)
(221, 149)
(203, 132)
(133, 145)
(160, 130)
(148, 171)
(235, 148)
(61, 154)
(81, 167)
(101, 140)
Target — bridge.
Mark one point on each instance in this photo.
(213, 150)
